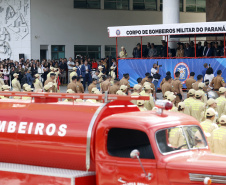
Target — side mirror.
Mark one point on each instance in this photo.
(135, 154)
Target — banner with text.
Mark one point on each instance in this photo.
(168, 29)
(138, 67)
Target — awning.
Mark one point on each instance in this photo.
(201, 28)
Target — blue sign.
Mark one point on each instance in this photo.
(138, 67)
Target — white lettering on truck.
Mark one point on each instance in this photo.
(31, 128)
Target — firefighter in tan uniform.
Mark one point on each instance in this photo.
(112, 74)
(113, 89)
(164, 79)
(217, 82)
(204, 96)
(121, 93)
(125, 80)
(72, 84)
(221, 101)
(146, 78)
(123, 88)
(167, 86)
(69, 91)
(48, 87)
(198, 107)
(136, 92)
(51, 71)
(28, 89)
(181, 107)
(92, 85)
(74, 73)
(188, 102)
(140, 105)
(106, 84)
(95, 91)
(190, 81)
(149, 104)
(15, 83)
(52, 80)
(5, 88)
(209, 125)
(38, 84)
(143, 91)
(177, 88)
(166, 94)
(172, 99)
(1, 80)
(79, 86)
(218, 138)
(176, 137)
(196, 84)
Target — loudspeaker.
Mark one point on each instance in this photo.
(21, 56)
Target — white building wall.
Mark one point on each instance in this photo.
(56, 22)
(15, 29)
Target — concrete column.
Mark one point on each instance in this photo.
(171, 15)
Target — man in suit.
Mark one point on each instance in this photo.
(199, 50)
(86, 73)
(205, 48)
(210, 51)
(188, 51)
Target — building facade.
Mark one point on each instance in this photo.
(54, 29)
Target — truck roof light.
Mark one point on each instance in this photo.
(163, 105)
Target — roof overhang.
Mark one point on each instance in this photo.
(181, 29)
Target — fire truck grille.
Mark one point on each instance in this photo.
(201, 177)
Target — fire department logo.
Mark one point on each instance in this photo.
(184, 71)
(118, 32)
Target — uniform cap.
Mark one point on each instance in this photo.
(100, 67)
(120, 93)
(147, 83)
(29, 89)
(70, 91)
(15, 74)
(47, 87)
(51, 68)
(140, 102)
(201, 85)
(211, 101)
(37, 75)
(94, 89)
(122, 47)
(222, 90)
(137, 87)
(210, 112)
(123, 87)
(171, 97)
(167, 93)
(222, 120)
(147, 87)
(97, 92)
(74, 68)
(5, 87)
(198, 94)
(191, 92)
(25, 85)
(181, 105)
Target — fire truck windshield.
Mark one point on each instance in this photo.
(180, 138)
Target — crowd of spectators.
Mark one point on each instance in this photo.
(28, 68)
(209, 49)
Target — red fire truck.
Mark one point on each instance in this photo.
(44, 141)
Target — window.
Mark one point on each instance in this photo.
(176, 139)
(121, 142)
(91, 51)
(145, 5)
(58, 52)
(89, 4)
(196, 5)
(110, 51)
(181, 5)
(116, 4)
